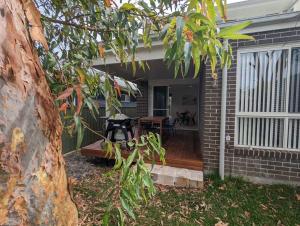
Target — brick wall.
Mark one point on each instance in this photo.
(142, 101)
(255, 164)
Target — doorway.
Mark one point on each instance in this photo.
(179, 101)
(160, 101)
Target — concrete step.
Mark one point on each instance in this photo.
(178, 177)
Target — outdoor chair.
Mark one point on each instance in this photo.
(193, 118)
(147, 127)
(170, 126)
(179, 118)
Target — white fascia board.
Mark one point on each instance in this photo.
(142, 54)
(267, 23)
(171, 81)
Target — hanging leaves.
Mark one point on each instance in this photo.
(101, 50)
(201, 39)
(179, 28)
(187, 57)
(79, 99)
(117, 88)
(65, 94)
(232, 32)
(81, 74)
(63, 107)
(107, 3)
(221, 4)
(79, 129)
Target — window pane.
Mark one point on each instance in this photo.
(263, 78)
(294, 101)
(160, 97)
(160, 112)
(294, 134)
(263, 132)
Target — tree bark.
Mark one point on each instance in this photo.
(33, 182)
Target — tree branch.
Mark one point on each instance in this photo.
(79, 26)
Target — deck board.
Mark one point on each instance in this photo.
(181, 151)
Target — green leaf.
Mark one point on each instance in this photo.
(233, 29)
(147, 181)
(127, 7)
(196, 59)
(105, 220)
(211, 12)
(118, 157)
(79, 129)
(179, 28)
(131, 158)
(164, 31)
(222, 9)
(122, 217)
(187, 57)
(127, 207)
(237, 37)
(199, 16)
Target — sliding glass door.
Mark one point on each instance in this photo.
(160, 101)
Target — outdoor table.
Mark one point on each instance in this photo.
(185, 117)
(157, 120)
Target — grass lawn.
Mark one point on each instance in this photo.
(233, 201)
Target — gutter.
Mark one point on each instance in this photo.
(263, 19)
(223, 117)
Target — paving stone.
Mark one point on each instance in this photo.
(177, 177)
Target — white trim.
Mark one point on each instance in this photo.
(171, 81)
(237, 101)
(268, 115)
(268, 47)
(250, 147)
(150, 99)
(142, 54)
(268, 27)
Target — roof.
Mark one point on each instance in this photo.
(260, 8)
(265, 15)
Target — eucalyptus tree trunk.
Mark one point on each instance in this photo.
(33, 182)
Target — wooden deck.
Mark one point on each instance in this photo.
(181, 151)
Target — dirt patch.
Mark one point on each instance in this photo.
(79, 166)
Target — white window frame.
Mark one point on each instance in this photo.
(126, 98)
(280, 115)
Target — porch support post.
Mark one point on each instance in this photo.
(223, 117)
(107, 111)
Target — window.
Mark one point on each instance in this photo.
(268, 99)
(125, 98)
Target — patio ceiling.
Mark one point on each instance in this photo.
(157, 70)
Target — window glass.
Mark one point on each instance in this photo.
(268, 111)
(263, 79)
(294, 100)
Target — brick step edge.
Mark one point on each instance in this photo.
(177, 177)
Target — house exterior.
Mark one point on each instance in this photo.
(258, 96)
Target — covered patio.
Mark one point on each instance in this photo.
(182, 151)
(176, 101)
